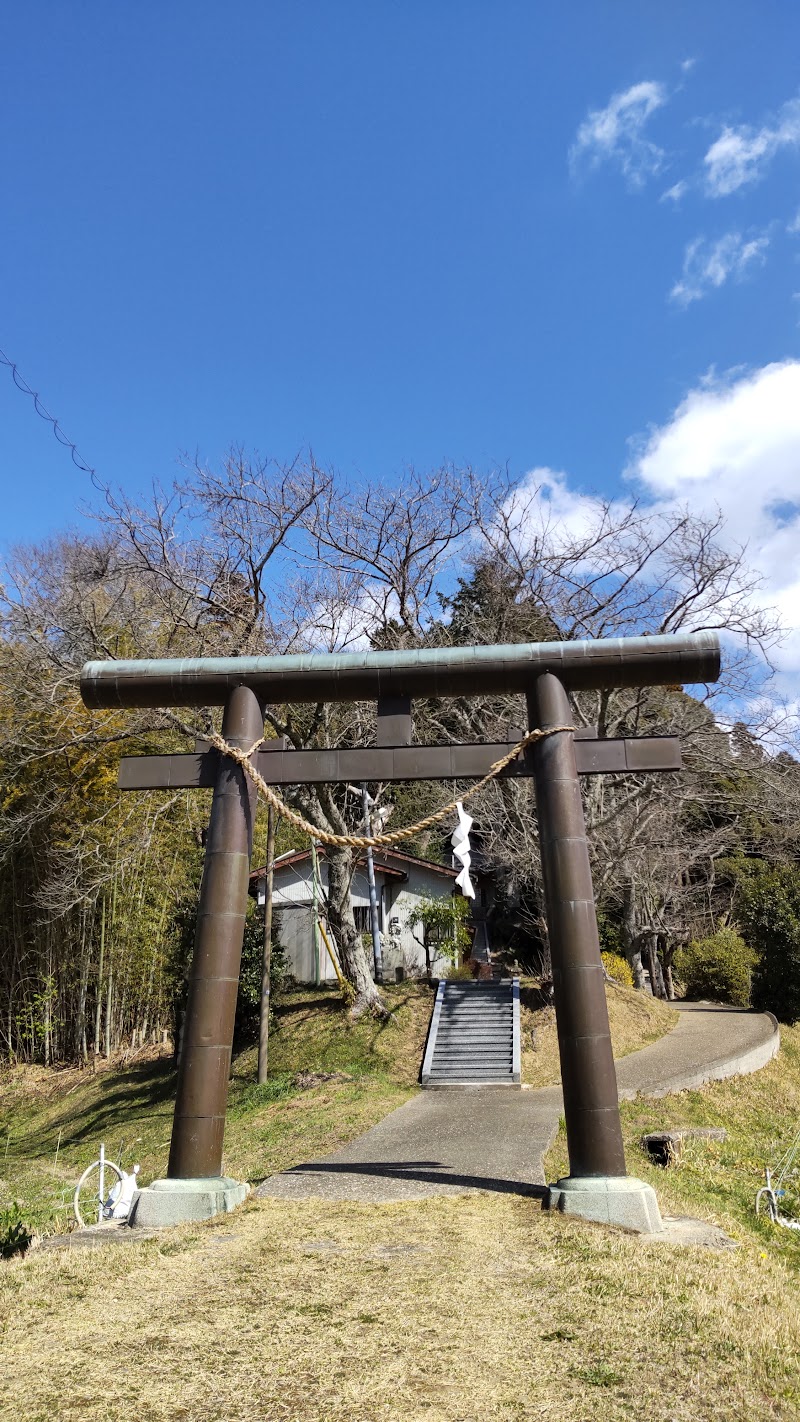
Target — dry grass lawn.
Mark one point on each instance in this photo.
(452, 1310)
(458, 1309)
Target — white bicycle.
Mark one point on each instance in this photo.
(769, 1196)
(93, 1201)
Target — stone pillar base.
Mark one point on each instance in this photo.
(610, 1199)
(172, 1202)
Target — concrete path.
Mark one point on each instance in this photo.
(438, 1143)
(709, 1043)
(483, 1138)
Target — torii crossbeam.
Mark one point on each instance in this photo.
(597, 1186)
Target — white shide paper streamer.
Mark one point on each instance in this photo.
(460, 842)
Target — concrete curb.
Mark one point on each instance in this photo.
(433, 1030)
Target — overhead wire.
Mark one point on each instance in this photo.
(44, 414)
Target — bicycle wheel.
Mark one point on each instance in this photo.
(87, 1191)
(766, 1196)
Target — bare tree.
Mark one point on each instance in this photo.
(263, 558)
(259, 557)
(381, 558)
(215, 550)
(619, 570)
(394, 544)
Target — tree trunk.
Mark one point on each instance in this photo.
(46, 1028)
(667, 958)
(545, 956)
(109, 990)
(631, 938)
(83, 985)
(654, 965)
(48, 1007)
(352, 954)
(98, 1007)
(263, 1023)
(634, 957)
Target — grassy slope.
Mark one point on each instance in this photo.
(268, 1127)
(452, 1310)
(635, 1020)
(719, 1180)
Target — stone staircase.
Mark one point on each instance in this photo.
(474, 1035)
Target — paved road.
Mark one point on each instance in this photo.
(479, 1138)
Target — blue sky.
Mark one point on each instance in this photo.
(540, 234)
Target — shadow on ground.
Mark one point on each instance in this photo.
(140, 1093)
(427, 1171)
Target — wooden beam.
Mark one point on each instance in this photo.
(191, 771)
(638, 755)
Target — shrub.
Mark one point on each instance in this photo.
(15, 1235)
(718, 967)
(610, 934)
(248, 1005)
(444, 925)
(463, 974)
(768, 909)
(618, 968)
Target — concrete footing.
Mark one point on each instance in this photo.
(172, 1202)
(620, 1200)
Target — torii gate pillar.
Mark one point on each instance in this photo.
(205, 1060)
(195, 1187)
(597, 1187)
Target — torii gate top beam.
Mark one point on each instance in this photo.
(363, 676)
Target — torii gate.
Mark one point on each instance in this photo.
(597, 1186)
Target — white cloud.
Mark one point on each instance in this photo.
(545, 501)
(793, 227)
(731, 446)
(708, 265)
(734, 445)
(616, 133)
(341, 615)
(687, 64)
(741, 155)
(676, 192)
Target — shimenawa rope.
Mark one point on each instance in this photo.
(360, 841)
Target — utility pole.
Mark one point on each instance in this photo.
(366, 801)
(98, 1007)
(315, 910)
(263, 1022)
